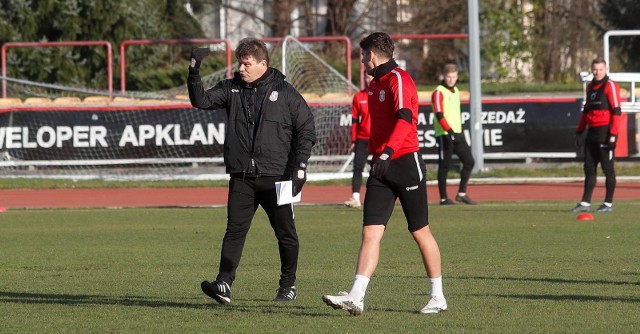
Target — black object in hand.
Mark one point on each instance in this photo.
(298, 178)
(197, 55)
(613, 140)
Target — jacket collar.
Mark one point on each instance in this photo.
(597, 82)
(271, 75)
(444, 84)
(382, 69)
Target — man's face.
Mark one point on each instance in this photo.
(250, 69)
(451, 78)
(367, 61)
(599, 70)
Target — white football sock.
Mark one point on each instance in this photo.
(436, 287)
(356, 196)
(359, 288)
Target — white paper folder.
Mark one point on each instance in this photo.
(284, 193)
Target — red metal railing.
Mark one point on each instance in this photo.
(106, 44)
(124, 44)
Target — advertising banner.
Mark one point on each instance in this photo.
(111, 133)
(543, 126)
(517, 126)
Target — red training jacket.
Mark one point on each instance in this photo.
(361, 122)
(438, 108)
(592, 115)
(392, 91)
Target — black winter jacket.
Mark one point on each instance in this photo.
(270, 128)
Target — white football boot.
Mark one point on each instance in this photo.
(435, 305)
(353, 203)
(345, 302)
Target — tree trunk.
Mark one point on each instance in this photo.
(282, 10)
(338, 17)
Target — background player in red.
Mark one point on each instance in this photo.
(360, 132)
(446, 107)
(601, 114)
(398, 172)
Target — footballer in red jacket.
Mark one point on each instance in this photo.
(601, 118)
(397, 172)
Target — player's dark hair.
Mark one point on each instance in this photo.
(252, 47)
(599, 60)
(378, 42)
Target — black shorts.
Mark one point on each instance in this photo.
(405, 180)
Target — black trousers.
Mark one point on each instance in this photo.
(596, 151)
(359, 161)
(245, 195)
(446, 149)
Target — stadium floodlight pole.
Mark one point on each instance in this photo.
(475, 98)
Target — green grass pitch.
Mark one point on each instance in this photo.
(508, 268)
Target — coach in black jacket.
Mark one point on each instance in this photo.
(270, 133)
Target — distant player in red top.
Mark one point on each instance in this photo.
(601, 115)
(360, 133)
(398, 172)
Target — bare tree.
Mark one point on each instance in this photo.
(434, 17)
(563, 38)
(338, 17)
(309, 18)
(281, 12)
(275, 14)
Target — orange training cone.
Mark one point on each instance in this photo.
(585, 216)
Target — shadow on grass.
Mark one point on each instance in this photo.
(67, 299)
(502, 207)
(582, 298)
(546, 280)
(265, 306)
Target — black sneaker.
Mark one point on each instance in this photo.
(465, 199)
(447, 201)
(581, 208)
(605, 208)
(220, 291)
(285, 294)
